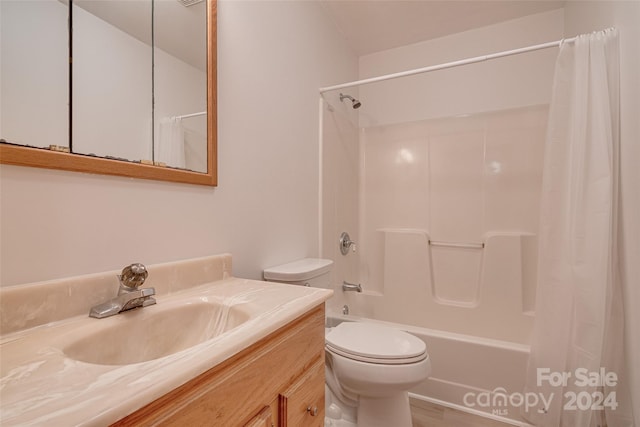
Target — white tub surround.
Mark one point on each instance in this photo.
(40, 384)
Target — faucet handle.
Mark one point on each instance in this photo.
(133, 276)
(346, 243)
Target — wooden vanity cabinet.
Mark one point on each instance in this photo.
(301, 403)
(278, 381)
(263, 419)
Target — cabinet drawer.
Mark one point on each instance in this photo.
(302, 404)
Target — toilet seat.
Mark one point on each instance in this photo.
(372, 343)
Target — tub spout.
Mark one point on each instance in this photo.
(351, 287)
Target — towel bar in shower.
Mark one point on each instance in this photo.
(472, 245)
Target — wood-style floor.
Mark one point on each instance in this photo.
(426, 414)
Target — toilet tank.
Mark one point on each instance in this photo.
(313, 272)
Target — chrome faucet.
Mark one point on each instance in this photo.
(129, 296)
(346, 286)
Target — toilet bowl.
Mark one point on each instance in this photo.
(372, 367)
(369, 367)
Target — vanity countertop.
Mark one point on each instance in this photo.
(40, 385)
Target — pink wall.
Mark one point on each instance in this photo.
(265, 210)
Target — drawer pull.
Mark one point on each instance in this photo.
(312, 411)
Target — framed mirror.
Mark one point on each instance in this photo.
(68, 122)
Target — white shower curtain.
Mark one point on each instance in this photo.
(170, 147)
(578, 328)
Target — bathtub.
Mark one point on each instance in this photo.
(476, 375)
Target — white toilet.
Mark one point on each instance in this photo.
(370, 367)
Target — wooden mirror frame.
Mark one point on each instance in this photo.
(44, 158)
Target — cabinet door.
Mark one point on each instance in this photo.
(263, 419)
(236, 389)
(302, 404)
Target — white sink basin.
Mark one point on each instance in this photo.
(124, 362)
(153, 332)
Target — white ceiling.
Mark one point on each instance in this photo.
(375, 25)
(180, 31)
(368, 25)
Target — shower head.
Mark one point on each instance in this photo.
(355, 103)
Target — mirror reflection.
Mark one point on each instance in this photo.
(34, 78)
(136, 88)
(111, 75)
(180, 89)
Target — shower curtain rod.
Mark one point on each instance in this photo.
(186, 116)
(447, 65)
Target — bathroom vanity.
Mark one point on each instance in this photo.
(277, 381)
(214, 350)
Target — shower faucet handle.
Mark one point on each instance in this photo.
(346, 243)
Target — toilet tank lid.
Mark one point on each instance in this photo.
(302, 269)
